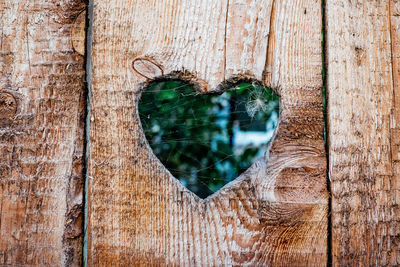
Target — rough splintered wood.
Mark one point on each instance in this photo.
(41, 134)
(364, 131)
(273, 214)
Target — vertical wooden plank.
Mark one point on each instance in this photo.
(41, 134)
(363, 89)
(273, 214)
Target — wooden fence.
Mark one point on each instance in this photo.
(79, 184)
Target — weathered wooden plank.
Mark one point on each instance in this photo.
(273, 214)
(363, 88)
(41, 134)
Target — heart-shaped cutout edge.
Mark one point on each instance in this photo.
(201, 87)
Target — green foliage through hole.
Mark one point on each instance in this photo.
(207, 140)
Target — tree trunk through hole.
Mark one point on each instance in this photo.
(275, 213)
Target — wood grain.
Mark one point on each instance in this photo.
(363, 110)
(273, 214)
(41, 134)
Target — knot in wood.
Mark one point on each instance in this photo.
(147, 68)
(8, 106)
(78, 33)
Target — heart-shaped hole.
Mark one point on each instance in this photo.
(207, 140)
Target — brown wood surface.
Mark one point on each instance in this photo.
(273, 214)
(363, 52)
(41, 134)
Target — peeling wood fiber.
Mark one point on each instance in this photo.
(273, 214)
(364, 134)
(41, 134)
